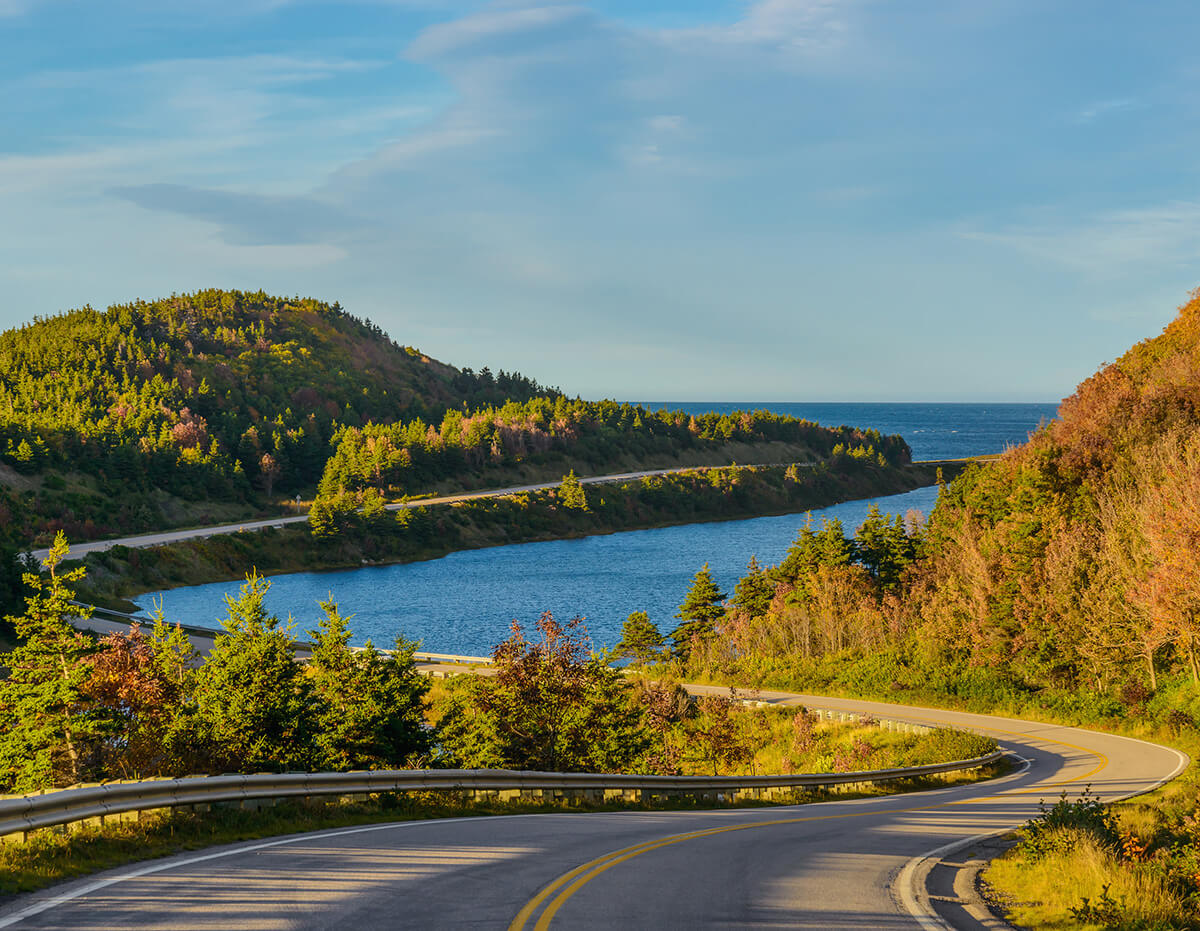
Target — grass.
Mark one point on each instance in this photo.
(1144, 874)
(1049, 893)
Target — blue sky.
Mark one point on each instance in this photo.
(765, 200)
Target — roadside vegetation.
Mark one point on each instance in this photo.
(1084, 865)
(143, 704)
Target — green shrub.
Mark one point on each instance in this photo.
(1058, 827)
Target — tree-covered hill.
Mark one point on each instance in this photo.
(110, 419)
(1076, 558)
(1067, 571)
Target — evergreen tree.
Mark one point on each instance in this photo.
(754, 590)
(802, 556)
(571, 493)
(699, 613)
(370, 706)
(640, 639)
(883, 546)
(253, 701)
(45, 725)
(832, 546)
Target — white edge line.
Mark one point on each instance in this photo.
(7, 921)
(909, 877)
(912, 876)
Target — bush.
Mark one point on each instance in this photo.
(1058, 828)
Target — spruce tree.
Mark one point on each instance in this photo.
(640, 639)
(370, 706)
(253, 701)
(45, 727)
(754, 591)
(884, 546)
(571, 493)
(699, 613)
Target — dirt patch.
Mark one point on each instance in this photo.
(11, 478)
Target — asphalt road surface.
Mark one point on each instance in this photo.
(835, 865)
(174, 536)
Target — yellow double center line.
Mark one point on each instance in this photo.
(582, 875)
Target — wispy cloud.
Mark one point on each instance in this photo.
(1109, 243)
(251, 219)
(1102, 108)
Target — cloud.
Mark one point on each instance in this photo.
(496, 32)
(1101, 108)
(250, 219)
(1110, 243)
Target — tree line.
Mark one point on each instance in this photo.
(402, 458)
(143, 703)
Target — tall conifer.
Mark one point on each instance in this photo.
(699, 613)
(44, 725)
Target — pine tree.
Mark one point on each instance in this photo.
(699, 613)
(571, 493)
(754, 590)
(640, 639)
(45, 728)
(253, 700)
(370, 706)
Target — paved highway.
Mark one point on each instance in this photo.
(839, 865)
(174, 536)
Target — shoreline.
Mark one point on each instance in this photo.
(116, 576)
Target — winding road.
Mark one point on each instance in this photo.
(835, 865)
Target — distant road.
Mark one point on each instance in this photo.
(174, 536)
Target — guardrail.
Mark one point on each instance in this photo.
(21, 814)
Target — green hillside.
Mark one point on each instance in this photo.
(198, 407)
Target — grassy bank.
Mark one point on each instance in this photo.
(1133, 865)
(414, 534)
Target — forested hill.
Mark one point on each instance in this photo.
(1076, 559)
(207, 407)
(1064, 575)
(112, 420)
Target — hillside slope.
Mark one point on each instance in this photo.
(1065, 575)
(110, 420)
(1075, 560)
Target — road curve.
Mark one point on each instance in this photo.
(831, 865)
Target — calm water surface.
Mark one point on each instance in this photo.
(464, 602)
